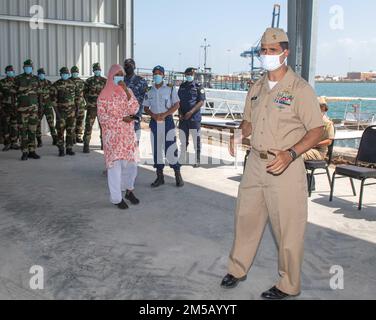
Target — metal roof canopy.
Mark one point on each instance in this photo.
(302, 30)
(74, 32)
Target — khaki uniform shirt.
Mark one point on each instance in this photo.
(329, 134)
(281, 117)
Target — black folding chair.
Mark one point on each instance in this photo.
(313, 165)
(366, 154)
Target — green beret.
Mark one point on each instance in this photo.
(28, 63)
(96, 66)
(41, 71)
(64, 70)
(75, 69)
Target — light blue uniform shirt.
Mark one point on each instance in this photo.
(162, 99)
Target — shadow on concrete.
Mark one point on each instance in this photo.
(349, 208)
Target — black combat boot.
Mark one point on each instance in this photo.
(160, 180)
(179, 179)
(61, 152)
(33, 155)
(15, 146)
(70, 152)
(54, 141)
(86, 148)
(40, 143)
(25, 156)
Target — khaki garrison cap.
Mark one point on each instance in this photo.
(322, 100)
(274, 35)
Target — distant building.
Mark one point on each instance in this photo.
(362, 76)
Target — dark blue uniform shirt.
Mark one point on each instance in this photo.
(191, 93)
(139, 87)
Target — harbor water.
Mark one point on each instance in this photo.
(337, 110)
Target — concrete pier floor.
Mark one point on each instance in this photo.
(55, 213)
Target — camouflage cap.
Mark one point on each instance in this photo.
(274, 35)
(64, 70)
(41, 71)
(28, 63)
(9, 68)
(96, 66)
(75, 69)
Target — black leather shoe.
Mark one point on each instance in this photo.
(25, 156)
(86, 149)
(6, 148)
(33, 155)
(132, 198)
(70, 152)
(275, 294)
(160, 180)
(122, 205)
(230, 282)
(179, 179)
(61, 153)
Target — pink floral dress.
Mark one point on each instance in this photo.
(119, 137)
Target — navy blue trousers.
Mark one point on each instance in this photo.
(163, 140)
(194, 128)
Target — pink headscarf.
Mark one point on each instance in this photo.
(111, 88)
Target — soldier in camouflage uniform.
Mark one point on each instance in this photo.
(9, 110)
(45, 108)
(93, 88)
(65, 94)
(27, 92)
(80, 106)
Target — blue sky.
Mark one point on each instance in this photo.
(170, 32)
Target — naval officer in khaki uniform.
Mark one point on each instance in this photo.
(282, 115)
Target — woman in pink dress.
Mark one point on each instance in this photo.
(117, 106)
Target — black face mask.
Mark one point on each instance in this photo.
(129, 69)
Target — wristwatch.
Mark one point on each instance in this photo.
(293, 154)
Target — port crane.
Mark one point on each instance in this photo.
(254, 52)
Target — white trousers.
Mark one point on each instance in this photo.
(121, 177)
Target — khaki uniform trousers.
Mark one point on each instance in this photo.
(281, 199)
(314, 155)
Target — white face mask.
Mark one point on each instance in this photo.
(272, 62)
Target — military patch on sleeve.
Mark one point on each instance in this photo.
(284, 98)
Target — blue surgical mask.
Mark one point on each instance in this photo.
(158, 79)
(117, 79)
(42, 76)
(75, 75)
(189, 78)
(97, 73)
(65, 76)
(10, 74)
(28, 70)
